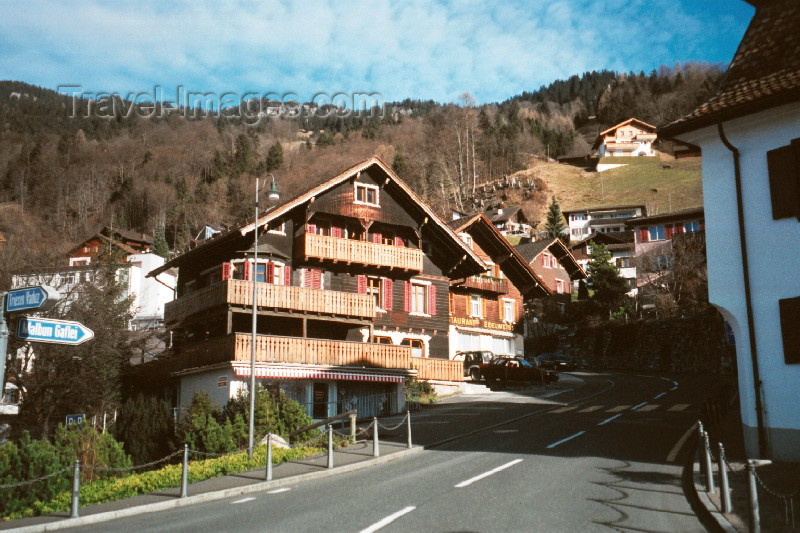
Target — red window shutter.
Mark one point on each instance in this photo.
(246, 270)
(644, 235)
(431, 299)
(398, 241)
(679, 228)
(226, 271)
(287, 275)
(361, 284)
(270, 272)
(316, 278)
(377, 238)
(388, 300)
(544, 260)
(669, 230)
(311, 228)
(702, 226)
(336, 231)
(407, 297)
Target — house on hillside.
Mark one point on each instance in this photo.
(749, 132)
(588, 221)
(630, 138)
(621, 246)
(487, 310)
(510, 221)
(555, 265)
(351, 284)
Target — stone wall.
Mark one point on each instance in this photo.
(694, 345)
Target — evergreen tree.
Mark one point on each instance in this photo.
(160, 245)
(554, 223)
(274, 157)
(609, 287)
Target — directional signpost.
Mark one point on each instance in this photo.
(54, 331)
(41, 298)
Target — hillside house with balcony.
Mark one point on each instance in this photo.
(486, 310)
(588, 221)
(632, 137)
(351, 283)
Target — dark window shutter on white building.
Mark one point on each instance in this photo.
(783, 165)
(790, 329)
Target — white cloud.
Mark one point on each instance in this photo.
(417, 49)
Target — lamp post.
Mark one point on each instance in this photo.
(273, 195)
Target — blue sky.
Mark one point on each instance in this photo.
(417, 49)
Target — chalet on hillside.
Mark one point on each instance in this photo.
(487, 310)
(554, 264)
(587, 221)
(352, 282)
(632, 137)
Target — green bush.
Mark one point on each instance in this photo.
(274, 413)
(146, 429)
(107, 490)
(419, 391)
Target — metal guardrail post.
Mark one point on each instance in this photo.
(376, 447)
(268, 476)
(752, 492)
(408, 426)
(353, 428)
(185, 472)
(723, 480)
(74, 511)
(709, 468)
(330, 446)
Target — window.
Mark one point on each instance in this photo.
(656, 233)
(379, 339)
(467, 238)
(417, 346)
(560, 286)
(475, 305)
(660, 262)
(625, 262)
(366, 194)
(375, 288)
(546, 260)
(631, 283)
(508, 310)
(578, 217)
(553, 261)
(689, 227)
(418, 293)
(278, 230)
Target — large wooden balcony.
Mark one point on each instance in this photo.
(362, 252)
(297, 350)
(486, 283)
(268, 296)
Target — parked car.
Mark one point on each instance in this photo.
(472, 361)
(503, 370)
(556, 361)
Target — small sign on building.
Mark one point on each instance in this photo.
(75, 421)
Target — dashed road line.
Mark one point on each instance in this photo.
(562, 441)
(636, 407)
(564, 409)
(244, 500)
(472, 480)
(659, 395)
(609, 419)
(276, 491)
(590, 409)
(618, 409)
(388, 520)
(679, 407)
(649, 407)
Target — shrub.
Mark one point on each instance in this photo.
(274, 413)
(419, 391)
(146, 429)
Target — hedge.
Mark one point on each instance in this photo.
(108, 490)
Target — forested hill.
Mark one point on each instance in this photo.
(62, 177)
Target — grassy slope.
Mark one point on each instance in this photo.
(641, 181)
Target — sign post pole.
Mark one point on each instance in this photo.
(3, 344)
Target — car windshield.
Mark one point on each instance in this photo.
(525, 364)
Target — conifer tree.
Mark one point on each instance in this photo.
(160, 245)
(554, 224)
(609, 287)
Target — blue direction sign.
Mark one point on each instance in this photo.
(49, 330)
(40, 297)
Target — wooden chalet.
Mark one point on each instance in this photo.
(555, 265)
(352, 282)
(486, 310)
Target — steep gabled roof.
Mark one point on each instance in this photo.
(531, 250)
(513, 265)
(603, 133)
(764, 72)
(459, 249)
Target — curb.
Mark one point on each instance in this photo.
(216, 495)
(709, 506)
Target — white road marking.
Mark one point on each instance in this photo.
(563, 409)
(609, 419)
(635, 407)
(649, 407)
(590, 409)
(673, 453)
(472, 480)
(679, 407)
(388, 520)
(618, 408)
(505, 431)
(562, 441)
(659, 395)
(243, 500)
(276, 491)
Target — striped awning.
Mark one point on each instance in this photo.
(279, 372)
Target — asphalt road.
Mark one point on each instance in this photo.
(597, 453)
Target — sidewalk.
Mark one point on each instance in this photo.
(779, 478)
(354, 457)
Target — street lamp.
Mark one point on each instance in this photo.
(273, 195)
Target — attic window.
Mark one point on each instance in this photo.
(366, 194)
(783, 165)
(790, 329)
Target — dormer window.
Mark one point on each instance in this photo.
(366, 194)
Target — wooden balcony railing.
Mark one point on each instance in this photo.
(269, 296)
(297, 350)
(486, 283)
(362, 252)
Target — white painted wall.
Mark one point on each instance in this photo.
(774, 256)
(207, 381)
(149, 295)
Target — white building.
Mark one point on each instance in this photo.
(588, 221)
(749, 132)
(630, 138)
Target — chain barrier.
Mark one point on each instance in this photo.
(88, 468)
(214, 454)
(32, 481)
(387, 428)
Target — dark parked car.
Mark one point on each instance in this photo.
(556, 361)
(472, 362)
(503, 370)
